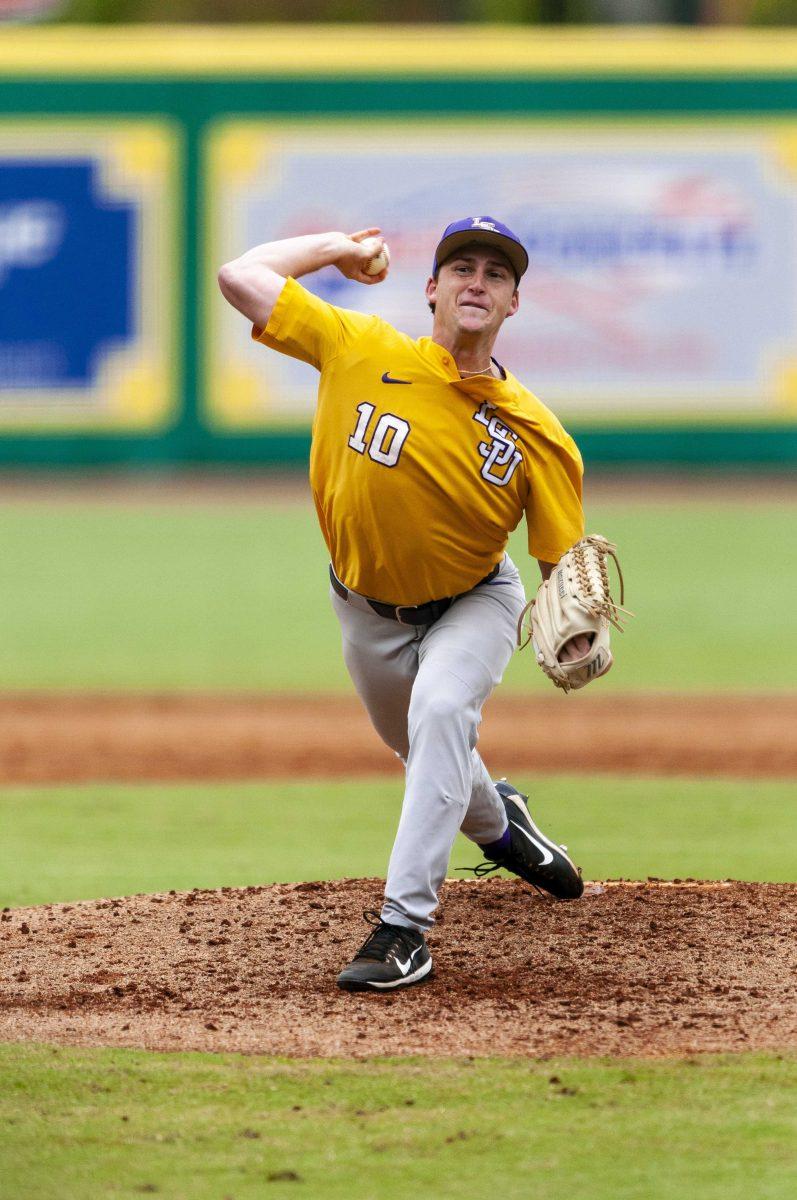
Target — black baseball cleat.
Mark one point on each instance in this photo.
(532, 855)
(392, 956)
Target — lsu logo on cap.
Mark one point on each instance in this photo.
(482, 223)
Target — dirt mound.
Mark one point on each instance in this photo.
(631, 969)
(63, 738)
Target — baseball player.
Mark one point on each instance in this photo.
(425, 455)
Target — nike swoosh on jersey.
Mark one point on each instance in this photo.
(404, 967)
(547, 857)
(386, 379)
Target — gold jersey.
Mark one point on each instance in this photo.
(419, 476)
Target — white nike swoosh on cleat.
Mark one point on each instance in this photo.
(547, 857)
(413, 977)
(404, 967)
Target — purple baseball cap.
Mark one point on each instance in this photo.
(485, 231)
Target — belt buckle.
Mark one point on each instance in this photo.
(405, 608)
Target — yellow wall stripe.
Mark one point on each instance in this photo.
(391, 50)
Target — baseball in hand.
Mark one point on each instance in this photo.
(381, 257)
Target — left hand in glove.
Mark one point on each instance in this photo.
(571, 614)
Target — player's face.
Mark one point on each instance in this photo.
(475, 291)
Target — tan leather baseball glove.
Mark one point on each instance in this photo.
(574, 601)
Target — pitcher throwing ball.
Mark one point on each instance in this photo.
(425, 455)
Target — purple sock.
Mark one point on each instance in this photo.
(495, 849)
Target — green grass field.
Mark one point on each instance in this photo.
(235, 596)
(113, 1124)
(108, 1124)
(73, 843)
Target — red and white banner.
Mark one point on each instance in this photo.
(29, 10)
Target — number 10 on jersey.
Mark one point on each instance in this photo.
(384, 444)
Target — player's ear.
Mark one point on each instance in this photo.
(514, 304)
(431, 290)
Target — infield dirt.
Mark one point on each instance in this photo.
(61, 738)
(650, 969)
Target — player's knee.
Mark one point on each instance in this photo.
(442, 705)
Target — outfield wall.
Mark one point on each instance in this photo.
(652, 173)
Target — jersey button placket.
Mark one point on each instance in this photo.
(450, 367)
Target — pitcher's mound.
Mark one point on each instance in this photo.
(630, 969)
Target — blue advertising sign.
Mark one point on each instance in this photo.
(66, 274)
(86, 306)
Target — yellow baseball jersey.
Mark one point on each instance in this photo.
(419, 476)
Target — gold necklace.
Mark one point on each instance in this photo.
(482, 371)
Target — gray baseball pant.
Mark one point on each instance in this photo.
(424, 688)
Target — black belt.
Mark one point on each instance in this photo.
(420, 614)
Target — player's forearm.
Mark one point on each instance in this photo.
(295, 256)
(253, 282)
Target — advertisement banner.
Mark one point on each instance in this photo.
(88, 272)
(663, 278)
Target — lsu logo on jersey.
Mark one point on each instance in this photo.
(500, 453)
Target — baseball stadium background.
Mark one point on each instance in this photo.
(194, 811)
